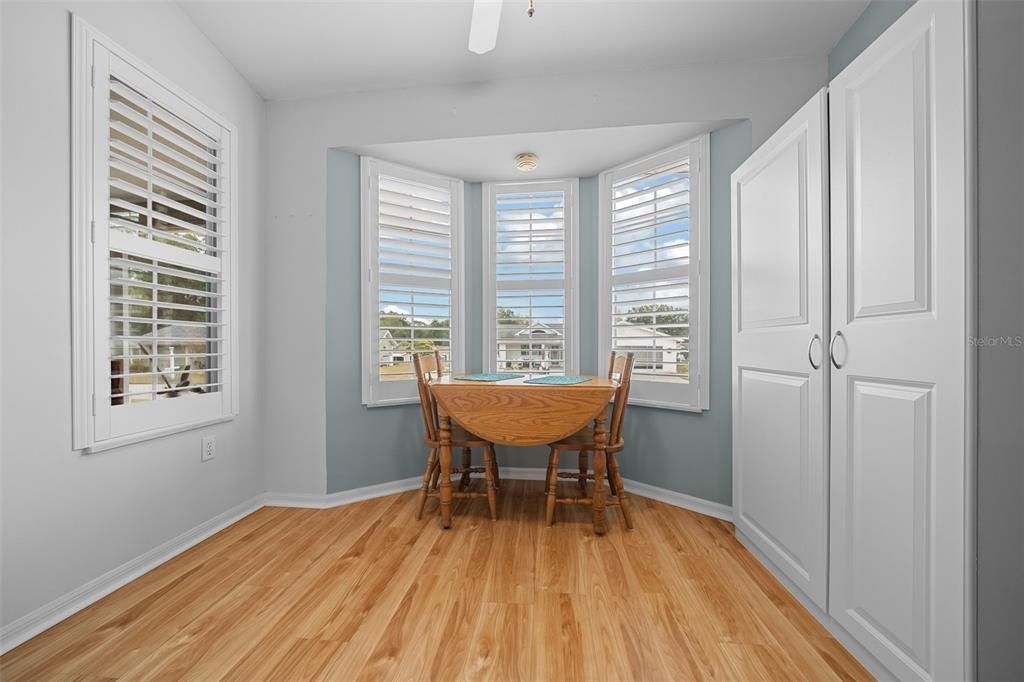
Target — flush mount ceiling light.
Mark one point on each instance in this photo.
(526, 162)
(483, 27)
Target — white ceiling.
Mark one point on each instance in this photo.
(294, 49)
(563, 154)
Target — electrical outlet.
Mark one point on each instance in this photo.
(209, 448)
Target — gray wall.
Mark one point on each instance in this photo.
(685, 452)
(1000, 315)
(877, 17)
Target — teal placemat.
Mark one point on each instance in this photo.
(558, 380)
(490, 377)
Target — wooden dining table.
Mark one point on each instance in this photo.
(513, 412)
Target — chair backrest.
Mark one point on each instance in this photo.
(625, 375)
(616, 363)
(428, 368)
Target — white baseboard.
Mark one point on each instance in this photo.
(681, 500)
(695, 504)
(524, 473)
(863, 656)
(31, 624)
(327, 501)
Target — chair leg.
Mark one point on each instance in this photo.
(584, 468)
(492, 494)
(547, 476)
(431, 465)
(435, 475)
(552, 485)
(467, 461)
(494, 460)
(614, 475)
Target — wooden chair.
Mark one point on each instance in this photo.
(620, 367)
(616, 364)
(429, 368)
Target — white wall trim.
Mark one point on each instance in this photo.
(307, 501)
(45, 617)
(81, 214)
(676, 499)
(682, 500)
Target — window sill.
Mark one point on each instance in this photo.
(393, 402)
(661, 405)
(112, 443)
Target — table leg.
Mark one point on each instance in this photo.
(467, 462)
(446, 470)
(600, 461)
(492, 491)
(552, 487)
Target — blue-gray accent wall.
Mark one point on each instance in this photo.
(877, 17)
(363, 446)
(685, 452)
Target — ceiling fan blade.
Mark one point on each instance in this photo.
(483, 30)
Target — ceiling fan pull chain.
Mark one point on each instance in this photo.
(529, 11)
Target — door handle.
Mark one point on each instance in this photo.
(810, 349)
(832, 348)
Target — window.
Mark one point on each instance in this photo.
(412, 245)
(653, 255)
(529, 277)
(153, 234)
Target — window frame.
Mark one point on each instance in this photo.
(370, 170)
(571, 187)
(90, 307)
(694, 396)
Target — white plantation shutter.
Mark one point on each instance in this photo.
(650, 228)
(530, 245)
(411, 232)
(650, 222)
(159, 223)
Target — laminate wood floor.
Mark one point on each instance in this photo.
(365, 592)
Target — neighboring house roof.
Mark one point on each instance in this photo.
(507, 331)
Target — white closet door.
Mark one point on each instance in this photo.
(898, 581)
(780, 373)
